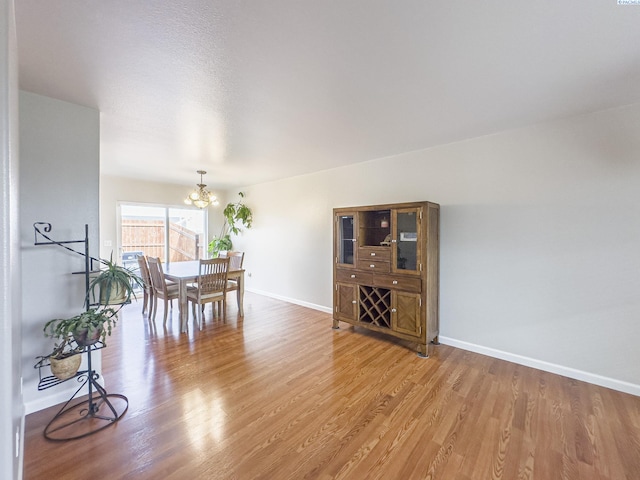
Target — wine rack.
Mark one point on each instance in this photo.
(375, 306)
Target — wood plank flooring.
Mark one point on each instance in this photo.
(280, 395)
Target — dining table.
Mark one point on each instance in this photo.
(183, 273)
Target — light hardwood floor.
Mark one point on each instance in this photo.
(280, 395)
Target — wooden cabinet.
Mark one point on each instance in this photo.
(386, 270)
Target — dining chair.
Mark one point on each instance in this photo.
(161, 289)
(210, 287)
(235, 263)
(235, 260)
(147, 287)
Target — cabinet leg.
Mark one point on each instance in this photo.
(335, 325)
(435, 340)
(423, 350)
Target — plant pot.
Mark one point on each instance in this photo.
(118, 295)
(84, 337)
(66, 367)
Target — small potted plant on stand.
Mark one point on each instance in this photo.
(85, 328)
(236, 215)
(65, 359)
(74, 334)
(115, 284)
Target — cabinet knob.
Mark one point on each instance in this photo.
(353, 301)
(393, 310)
(372, 266)
(353, 276)
(395, 282)
(373, 254)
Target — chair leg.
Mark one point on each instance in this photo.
(152, 298)
(155, 308)
(200, 317)
(145, 300)
(166, 311)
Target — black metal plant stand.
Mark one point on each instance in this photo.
(82, 417)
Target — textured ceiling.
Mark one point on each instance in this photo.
(264, 89)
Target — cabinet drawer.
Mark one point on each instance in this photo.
(352, 276)
(374, 265)
(397, 282)
(381, 254)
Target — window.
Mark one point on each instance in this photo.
(172, 233)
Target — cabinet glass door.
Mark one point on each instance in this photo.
(345, 242)
(406, 237)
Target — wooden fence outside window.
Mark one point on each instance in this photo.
(148, 236)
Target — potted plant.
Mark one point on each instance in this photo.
(236, 216)
(115, 284)
(85, 328)
(220, 244)
(73, 335)
(65, 360)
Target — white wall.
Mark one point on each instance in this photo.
(540, 240)
(118, 189)
(59, 184)
(11, 406)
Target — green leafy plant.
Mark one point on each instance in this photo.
(220, 244)
(236, 216)
(115, 284)
(85, 328)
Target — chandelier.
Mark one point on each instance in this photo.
(201, 197)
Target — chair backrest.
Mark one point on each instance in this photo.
(144, 271)
(156, 274)
(235, 260)
(213, 275)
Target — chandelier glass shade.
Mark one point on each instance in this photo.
(201, 197)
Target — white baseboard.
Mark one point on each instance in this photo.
(46, 402)
(593, 378)
(292, 300)
(55, 398)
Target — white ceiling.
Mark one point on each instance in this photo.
(257, 90)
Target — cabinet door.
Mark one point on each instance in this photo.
(345, 239)
(407, 240)
(346, 301)
(405, 313)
